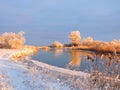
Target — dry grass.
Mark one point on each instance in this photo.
(26, 52)
(99, 46)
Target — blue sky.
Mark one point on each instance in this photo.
(45, 21)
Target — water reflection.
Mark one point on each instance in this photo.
(104, 68)
(88, 61)
(75, 58)
(58, 52)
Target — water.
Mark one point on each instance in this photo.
(78, 60)
(104, 69)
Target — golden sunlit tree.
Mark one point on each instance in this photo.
(12, 40)
(87, 40)
(58, 44)
(75, 37)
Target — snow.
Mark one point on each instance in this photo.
(34, 75)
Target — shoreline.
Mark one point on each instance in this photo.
(46, 73)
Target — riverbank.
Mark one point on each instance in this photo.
(34, 75)
(28, 74)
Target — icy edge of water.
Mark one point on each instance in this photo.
(61, 70)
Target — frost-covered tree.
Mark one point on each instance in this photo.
(12, 40)
(87, 40)
(75, 37)
(58, 44)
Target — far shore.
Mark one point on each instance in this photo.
(85, 48)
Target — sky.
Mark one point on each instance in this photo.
(46, 21)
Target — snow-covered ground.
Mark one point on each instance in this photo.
(33, 75)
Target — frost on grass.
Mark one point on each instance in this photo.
(26, 52)
(95, 80)
(24, 75)
(5, 82)
(39, 75)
